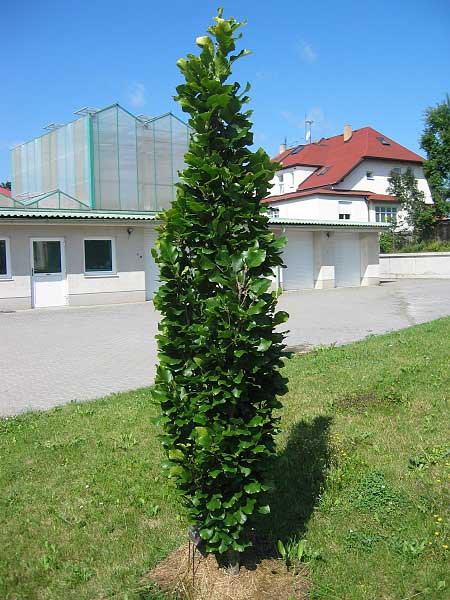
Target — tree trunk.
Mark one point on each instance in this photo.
(232, 562)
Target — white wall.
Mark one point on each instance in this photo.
(292, 178)
(128, 284)
(323, 207)
(421, 265)
(381, 169)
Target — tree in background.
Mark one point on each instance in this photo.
(419, 215)
(6, 185)
(435, 141)
(218, 377)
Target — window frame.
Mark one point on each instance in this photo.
(370, 175)
(8, 275)
(274, 212)
(344, 216)
(383, 211)
(113, 272)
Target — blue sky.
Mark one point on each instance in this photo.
(373, 63)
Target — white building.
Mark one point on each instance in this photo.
(344, 177)
(341, 180)
(80, 223)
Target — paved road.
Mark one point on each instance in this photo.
(51, 356)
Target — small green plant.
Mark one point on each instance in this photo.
(292, 552)
(374, 492)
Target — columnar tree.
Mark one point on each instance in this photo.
(219, 352)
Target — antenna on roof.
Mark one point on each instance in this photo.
(308, 123)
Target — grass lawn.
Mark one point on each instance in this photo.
(363, 473)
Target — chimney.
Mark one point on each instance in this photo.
(282, 148)
(347, 133)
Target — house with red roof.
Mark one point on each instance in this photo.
(343, 177)
(335, 192)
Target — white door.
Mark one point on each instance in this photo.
(151, 268)
(48, 272)
(299, 260)
(347, 257)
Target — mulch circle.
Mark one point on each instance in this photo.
(261, 577)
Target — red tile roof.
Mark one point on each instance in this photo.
(342, 157)
(5, 191)
(319, 191)
(382, 197)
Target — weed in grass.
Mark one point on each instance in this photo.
(408, 548)
(374, 493)
(429, 457)
(361, 541)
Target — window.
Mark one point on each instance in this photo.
(344, 216)
(385, 214)
(369, 174)
(292, 179)
(274, 212)
(47, 256)
(383, 141)
(297, 149)
(397, 170)
(5, 259)
(99, 256)
(281, 182)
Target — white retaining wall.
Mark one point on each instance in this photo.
(426, 265)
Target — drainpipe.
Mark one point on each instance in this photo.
(367, 201)
(280, 269)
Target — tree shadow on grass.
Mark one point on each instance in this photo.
(298, 475)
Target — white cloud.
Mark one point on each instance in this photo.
(137, 95)
(307, 52)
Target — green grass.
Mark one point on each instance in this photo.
(363, 467)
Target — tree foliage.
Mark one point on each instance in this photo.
(419, 215)
(219, 353)
(435, 141)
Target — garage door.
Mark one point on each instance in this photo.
(151, 269)
(298, 258)
(347, 259)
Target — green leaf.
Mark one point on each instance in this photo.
(281, 549)
(202, 436)
(264, 345)
(264, 510)
(168, 252)
(206, 263)
(214, 504)
(206, 534)
(176, 455)
(252, 488)
(260, 286)
(254, 257)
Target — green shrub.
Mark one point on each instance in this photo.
(218, 377)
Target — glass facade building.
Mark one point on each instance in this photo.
(106, 160)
